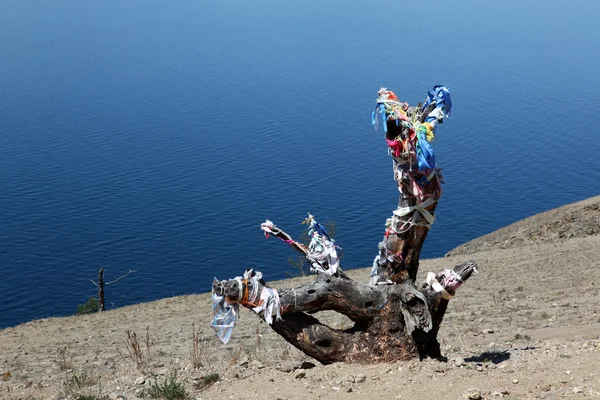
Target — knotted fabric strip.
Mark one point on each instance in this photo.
(421, 208)
(435, 285)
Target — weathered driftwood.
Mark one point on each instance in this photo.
(393, 321)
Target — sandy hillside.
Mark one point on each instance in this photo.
(527, 327)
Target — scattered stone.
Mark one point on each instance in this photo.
(459, 361)
(140, 381)
(256, 364)
(300, 374)
(568, 372)
(440, 368)
(479, 368)
(349, 389)
(336, 388)
(577, 390)
(546, 387)
(487, 331)
(307, 365)
(243, 361)
(360, 378)
(473, 394)
(515, 381)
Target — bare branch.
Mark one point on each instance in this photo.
(93, 282)
(121, 277)
(286, 237)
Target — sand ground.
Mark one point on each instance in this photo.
(526, 327)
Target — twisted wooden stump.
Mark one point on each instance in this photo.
(394, 317)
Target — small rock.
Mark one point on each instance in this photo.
(243, 361)
(546, 387)
(459, 361)
(479, 368)
(515, 381)
(577, 390)
(473, 394)
(256, 364)
(487, 331)
(300, 374)
(307, 365)
(360, 378)
(440, 368)
(568, 372)
(336, 388)
(140, 381)
(349, 389)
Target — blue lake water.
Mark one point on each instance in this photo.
(158, 135)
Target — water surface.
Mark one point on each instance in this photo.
(158, 135)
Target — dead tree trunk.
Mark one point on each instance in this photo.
(101, 290)
(100, 285)
(394, 317)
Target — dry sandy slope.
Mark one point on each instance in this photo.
(528, 326)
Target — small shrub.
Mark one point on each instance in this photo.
(134, 350)
(196, 363)
(300, 265)
(78, 387)
(77, 382)
(90, 307)
(65, 361)
(170, 389)
(90, 397)
(207, 380)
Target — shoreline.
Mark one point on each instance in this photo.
(530, 312)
